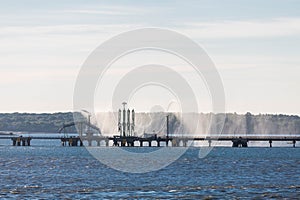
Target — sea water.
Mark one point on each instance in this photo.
(49, 171)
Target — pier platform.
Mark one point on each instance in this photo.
(130, 141)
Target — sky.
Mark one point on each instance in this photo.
(254, 44)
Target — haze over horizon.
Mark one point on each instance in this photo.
(255, 46)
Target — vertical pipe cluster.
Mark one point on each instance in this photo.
(126, 121)
(132, 121)
(167, 126)
(119, 122)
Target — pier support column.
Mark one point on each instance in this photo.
(70, 142)
(123, 143)
(244, 143)
(141, 143)
(184, 143)
(235, 143)
(175, 143)
(115, 142)
(18, 141)
(28, 141)
(239, 143)
(209, 143)
(294, 143)
(106, 143)
(74, 142)
(81, 143)
(14, 142)
(270, 141)
(98, 143)
(149, 143)
(90, 143)
(131, 144)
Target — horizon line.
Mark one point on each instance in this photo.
(237, 113)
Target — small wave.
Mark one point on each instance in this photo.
(32, 186)
(15, 191)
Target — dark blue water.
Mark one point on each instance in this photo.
(52, 172)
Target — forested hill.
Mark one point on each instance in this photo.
(35, 122)
(247, 124)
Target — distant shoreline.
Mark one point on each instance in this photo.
(244, 124)
(10, 133)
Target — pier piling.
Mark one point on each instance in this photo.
(294, 143)
(130, 140)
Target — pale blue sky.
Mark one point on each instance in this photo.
(254, 44)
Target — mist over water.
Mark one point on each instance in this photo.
(179, 124)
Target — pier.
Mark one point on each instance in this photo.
(131, 141)
(89, 134)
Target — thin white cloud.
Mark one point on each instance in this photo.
(34, 75)
(219, 29)
(232, 62)
(98, 12)
(12, 31)
(109, 10)
(52, 46)
(241, 29)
